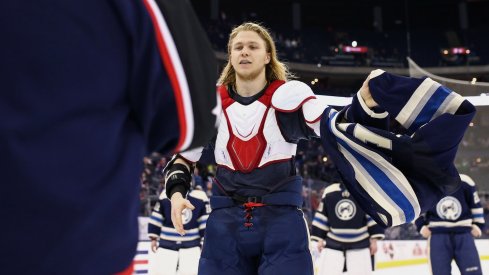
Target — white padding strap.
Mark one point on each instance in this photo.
(313, 109)
(291, 96)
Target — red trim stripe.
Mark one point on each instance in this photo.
(167, 61)
(140, 262)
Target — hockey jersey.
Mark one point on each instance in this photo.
(341, 222)
(456, 212)
(395, 174)
(194, 222)
(89, 88)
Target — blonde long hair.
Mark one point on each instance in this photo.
(274, 70)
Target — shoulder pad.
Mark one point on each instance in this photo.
(467, 179)
(162, 195)
(331, 188)
(198, 194)
(291, 96)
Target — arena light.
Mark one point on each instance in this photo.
(354, 44)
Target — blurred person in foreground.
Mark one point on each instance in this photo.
(451, 227)
(256, 225)
(88, 89)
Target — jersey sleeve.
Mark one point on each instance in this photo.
(172, 85)
(475, 206)
(156, 221)
(320, 224)
(374, 230)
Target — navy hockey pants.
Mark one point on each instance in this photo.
(458, 246)
(274, 242)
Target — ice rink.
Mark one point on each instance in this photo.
(422, 269)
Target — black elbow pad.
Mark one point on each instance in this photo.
(177, 176)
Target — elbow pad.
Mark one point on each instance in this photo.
(178, 175)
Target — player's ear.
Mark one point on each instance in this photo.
(267, 59)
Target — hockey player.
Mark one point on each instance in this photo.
(89, 88)
(171, 248)
(451, 227)
(344, 233)
(256, 226)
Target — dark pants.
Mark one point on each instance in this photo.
(275, 243)
(457, 246)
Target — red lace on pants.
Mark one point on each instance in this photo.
(249, 206)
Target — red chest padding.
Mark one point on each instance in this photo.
(246, 155)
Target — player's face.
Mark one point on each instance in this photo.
(249, 55)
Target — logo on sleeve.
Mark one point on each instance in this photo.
(449, 208)
(345, 209)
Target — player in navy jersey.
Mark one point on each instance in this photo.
(171, 248)
(451, 227)
(256, 226)
(344, 233)
(88, 89)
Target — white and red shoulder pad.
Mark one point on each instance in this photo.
(295, 94)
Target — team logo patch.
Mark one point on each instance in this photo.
(345, 209)
(186, 216)
(449, 208)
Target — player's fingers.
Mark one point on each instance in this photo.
(189, 205)
(176, 218)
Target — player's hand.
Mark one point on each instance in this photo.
(425, 232)
(366, 95)
(321, 245)
(154, 245)
(476, 231)
(373, 246)
(178, 204)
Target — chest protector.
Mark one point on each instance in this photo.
(249, 136)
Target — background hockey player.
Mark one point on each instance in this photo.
(171, 248)
(344, 234)
(451, 227)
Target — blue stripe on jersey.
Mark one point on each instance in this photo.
(178, 235)
(349, 235)
(141, 252)
(156, 219)
(430, 108)
(384, 182)
(320, 221)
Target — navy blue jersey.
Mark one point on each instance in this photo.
(341, 222)
(398, 173)
(194, 222)
(89, 88)
(455, 213)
